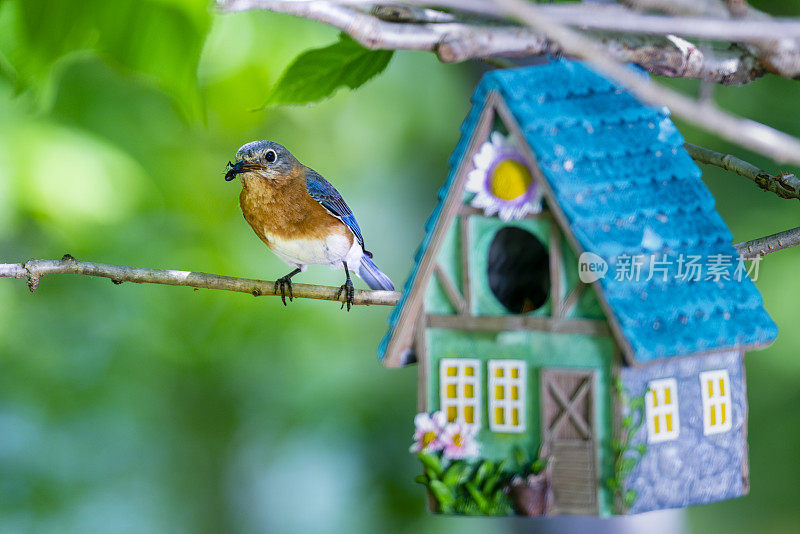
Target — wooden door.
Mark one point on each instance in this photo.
(568, 435)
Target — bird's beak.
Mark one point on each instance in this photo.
(232, 169)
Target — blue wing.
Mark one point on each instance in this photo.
(323, 192)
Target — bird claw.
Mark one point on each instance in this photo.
(283, 283)
(349, 292)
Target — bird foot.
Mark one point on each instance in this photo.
(283, 283)
(349, 293)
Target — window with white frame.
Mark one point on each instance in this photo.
(507, 395)
(715, 390)
(459, 390)
(661, 410)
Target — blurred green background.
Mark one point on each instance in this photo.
(157, 409)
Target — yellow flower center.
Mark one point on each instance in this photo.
(428, 438)
(458, 440)
(510, 179)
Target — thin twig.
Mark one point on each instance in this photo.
(769, 244)
(738, 8)
(783, 185)
(744, 132)
(33, 270)
(692, 8)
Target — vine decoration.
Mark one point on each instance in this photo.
(626, 455)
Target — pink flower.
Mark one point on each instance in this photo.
(427, 431)
(459, 441)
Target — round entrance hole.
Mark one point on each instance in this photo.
(519, 270)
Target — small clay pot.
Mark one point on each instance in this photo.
(529, 494)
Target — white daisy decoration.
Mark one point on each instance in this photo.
(502, 181)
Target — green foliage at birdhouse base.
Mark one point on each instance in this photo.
(464, 487)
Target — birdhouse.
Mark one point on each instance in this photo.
(577, 312)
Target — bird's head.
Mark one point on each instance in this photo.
(264, 159)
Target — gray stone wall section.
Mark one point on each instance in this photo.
(694, 468)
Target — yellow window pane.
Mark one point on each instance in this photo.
(653, 399)
(710, 389)
(514, 393)
(450, 370)
(451, 413)
(721, 387)
(515, 372)
(667, 395)
(669, 422)
(712, 415)
(469, 414)
(515, 416)
(499, 416)
(450, 391)
(498, 372)
(656, 425)
(469, 391)
(469, 370)
(499, 392)
(722, 413)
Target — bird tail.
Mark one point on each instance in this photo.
(373, 276)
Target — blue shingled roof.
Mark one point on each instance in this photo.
(617, 169)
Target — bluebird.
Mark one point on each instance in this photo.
(301, 217)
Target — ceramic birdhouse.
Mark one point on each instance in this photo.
(577, 312)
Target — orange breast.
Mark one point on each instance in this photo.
(284, 208)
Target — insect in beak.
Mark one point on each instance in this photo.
(233, 169)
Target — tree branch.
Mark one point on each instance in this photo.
(744, 132)
(397, 27)
(769, 244)
(585, 15)
(783, 185)
(33, 270)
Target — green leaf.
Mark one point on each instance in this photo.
(627, 421)
(520, 456)
(442, 493)
(538, 465)
(630, 498)
(466, 506)
(431, 462)
(499, 494)
(501, 466)
(456, 474)
(490, 484)
(641, 448)
(430, 474)
(316, 74)
(613, 484)
(626, 466)
(476, 495)
(421, 479)
(482, 472)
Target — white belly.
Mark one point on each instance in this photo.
(299, 252)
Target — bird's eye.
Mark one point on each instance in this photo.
(271, 156)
